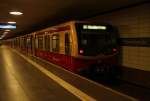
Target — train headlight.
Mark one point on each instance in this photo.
(114, 50)
(81, 51)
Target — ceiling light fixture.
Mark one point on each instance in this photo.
(15, 13)
(12, 22)
(8, 26)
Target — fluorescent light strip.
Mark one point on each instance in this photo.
(15, 13)
(12, 22)
(7, 26)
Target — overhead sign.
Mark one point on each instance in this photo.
(7, 26)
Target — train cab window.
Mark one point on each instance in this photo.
(47, 42)
(55, 43)
(67, 44)
(95, 39)
(40, 43)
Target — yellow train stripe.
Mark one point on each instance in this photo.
(75, 91)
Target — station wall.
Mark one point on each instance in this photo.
(133, 25)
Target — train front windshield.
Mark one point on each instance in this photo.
(95, 39)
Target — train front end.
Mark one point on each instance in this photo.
(97, 50)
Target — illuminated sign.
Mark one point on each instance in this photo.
(7, 26)
(94, 27)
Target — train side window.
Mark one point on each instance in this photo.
(55, 43)
(47, 43)
(67, 44)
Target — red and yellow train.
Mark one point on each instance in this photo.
(80, 47)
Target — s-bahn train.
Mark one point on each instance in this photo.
(80, 47)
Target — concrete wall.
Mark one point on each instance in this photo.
(134, 23)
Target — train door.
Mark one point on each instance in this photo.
(47, 43)
(33, 45)
(36, 42)
(25, 45)
(39, 45)
(55, 43)
(21, 43)
(67, 51)
(67, 44)
(28, 44)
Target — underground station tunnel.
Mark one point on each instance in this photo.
(75, 50)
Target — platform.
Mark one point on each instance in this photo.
(25, 78)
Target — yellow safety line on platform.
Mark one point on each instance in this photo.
(75, 91)
(97, 84)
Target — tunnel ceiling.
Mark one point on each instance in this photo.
(42, 13)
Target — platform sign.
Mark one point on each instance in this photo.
(137, 42)
(7, 26)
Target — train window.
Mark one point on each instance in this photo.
(28, 43)
(33, 44)
(24, 42)
(93, 41)
(36, 42)
(67, 44)
(55, 43)
(47, 42)
(40, 43)
(18, 42)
